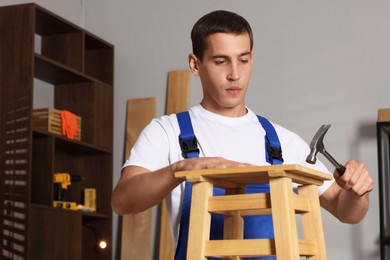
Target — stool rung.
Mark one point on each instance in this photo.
(251, 204)
(252, 248)
(220, 204)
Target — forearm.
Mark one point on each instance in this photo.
(347, 197)
(351, 207)
(139, 190)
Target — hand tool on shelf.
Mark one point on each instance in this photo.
(62, 181)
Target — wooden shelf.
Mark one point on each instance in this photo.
(77, 147)
(90, 216)
(38, 44)
(383, 146)
(55, 73)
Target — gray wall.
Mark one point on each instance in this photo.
(316, 62)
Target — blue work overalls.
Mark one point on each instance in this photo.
(254, 226)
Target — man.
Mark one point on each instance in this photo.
(228, 133)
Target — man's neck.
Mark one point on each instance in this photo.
(228, 112)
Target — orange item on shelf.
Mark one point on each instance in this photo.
(69, 124)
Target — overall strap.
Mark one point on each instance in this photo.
(273, 148)
(187, 138)
(189, 148)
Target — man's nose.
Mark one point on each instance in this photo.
(234, 73)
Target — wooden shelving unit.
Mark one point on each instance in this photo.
(383, 143)
(79, 66)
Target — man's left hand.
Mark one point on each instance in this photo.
(356, 178)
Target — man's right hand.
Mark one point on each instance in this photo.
(206, 163)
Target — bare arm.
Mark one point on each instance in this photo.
(347, 198)
(139, 189)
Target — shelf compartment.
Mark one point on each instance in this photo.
(92, 102)
(90, 239)
(61, 226)
(65, 49)
(99, 59)
(57, 230)
(60, 40)
(92, 168)
(48, 23)
(52, 153)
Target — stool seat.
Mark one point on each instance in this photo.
(282, 203)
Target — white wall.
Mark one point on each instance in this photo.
(316, 62)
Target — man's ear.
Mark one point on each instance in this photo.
(193, 64)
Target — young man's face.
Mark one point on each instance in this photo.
(224, 72)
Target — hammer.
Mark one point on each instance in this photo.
(317, 145)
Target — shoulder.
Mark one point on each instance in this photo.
(160, 131)
(169, 124)
(289, 139)
(164, 122)
(287, 136)
(158, 140)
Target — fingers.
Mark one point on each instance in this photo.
(208, 163)
(216, 162)
(356, 178)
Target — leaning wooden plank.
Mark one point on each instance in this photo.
(177, 101)
(136, 228)
(178, 91)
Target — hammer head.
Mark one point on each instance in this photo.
(317, 144)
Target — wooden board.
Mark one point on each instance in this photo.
(384, 115)
(136, 228)
(139, 114)
(178, 91)
(177, 101)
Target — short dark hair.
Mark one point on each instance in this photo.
(219, 21)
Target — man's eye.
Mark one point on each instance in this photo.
(244, 61)
(219, 62)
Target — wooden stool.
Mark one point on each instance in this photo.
(281, 202)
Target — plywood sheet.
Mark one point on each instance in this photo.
(136, 228)
(178, 91)
(177, 101)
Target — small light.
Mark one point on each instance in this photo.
(102, 244)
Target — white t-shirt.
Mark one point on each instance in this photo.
(239, 139)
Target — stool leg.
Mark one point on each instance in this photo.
(200, 220)
(283, 216)
(233, 224)
(312, 221)
(233, 227)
